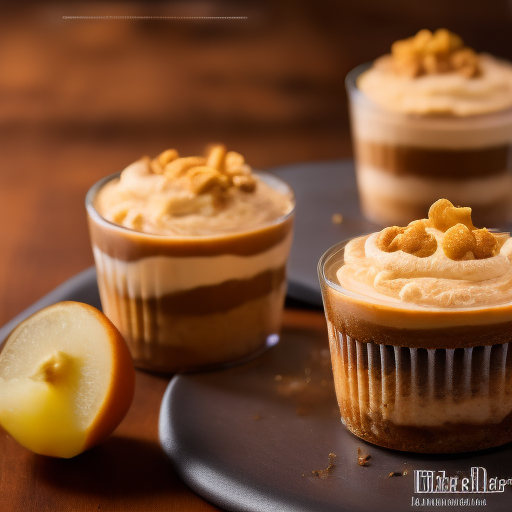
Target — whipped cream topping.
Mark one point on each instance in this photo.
(435, 281)
(449, 93)
(187, 197)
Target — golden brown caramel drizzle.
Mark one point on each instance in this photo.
(217, 172)
(462, 241)
(413, 239)
(432, 53)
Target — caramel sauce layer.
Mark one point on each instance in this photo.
(127, 245)
(434, 163)
(418, 328)
(207, 300)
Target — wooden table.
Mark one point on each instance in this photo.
(43, 182)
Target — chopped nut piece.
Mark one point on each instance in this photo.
(245, 183)
(167, 156)
(363, 460)
(397, 473)
(233, 160)
(337, 218)
(242, 170)
(216, 157)
(486, 244)
(413, 239)
(443, 215)
(465, 61)
(429, 53)
(204, 179)
(179, 167)
(459, 243)
(155, 166)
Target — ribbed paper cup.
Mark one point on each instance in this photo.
(198, 326)
(417, 399)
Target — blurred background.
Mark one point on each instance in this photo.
(82, 98)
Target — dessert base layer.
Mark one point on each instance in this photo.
(450, 438)
(428, 401)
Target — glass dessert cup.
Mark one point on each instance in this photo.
(418, 379)
(186, 303)
(404, 162)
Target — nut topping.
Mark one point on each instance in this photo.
(179, 167)
(443, 215)
(205, 179)
(432, 53)
(216, 173)
(413, 239)
(461, 240)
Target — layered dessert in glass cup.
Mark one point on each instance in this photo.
(432, 119)
(420, 327)
(191, 257)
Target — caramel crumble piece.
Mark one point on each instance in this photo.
(412, 239)
(337, 218)
(324, 473)
(363, 460)
(433, 53)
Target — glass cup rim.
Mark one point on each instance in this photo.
(337, 248)
(99, 219)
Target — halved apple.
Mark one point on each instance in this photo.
(66, 380)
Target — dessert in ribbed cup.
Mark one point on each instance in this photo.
(420, 326)
(432, 119)
(191, 257)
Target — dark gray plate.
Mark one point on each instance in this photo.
(249, 439)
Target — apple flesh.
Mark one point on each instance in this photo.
(66, 380)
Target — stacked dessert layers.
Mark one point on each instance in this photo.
(191, 255)
(420, 326)
(433, 119)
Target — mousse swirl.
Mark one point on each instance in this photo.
(447, 264)
(434, 73)
(191, 196)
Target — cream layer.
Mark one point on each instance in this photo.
(413, 189)
(374, 124)
(434, 281)
(441, 93)
(161, 275)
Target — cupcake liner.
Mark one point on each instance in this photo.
(382, 387)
